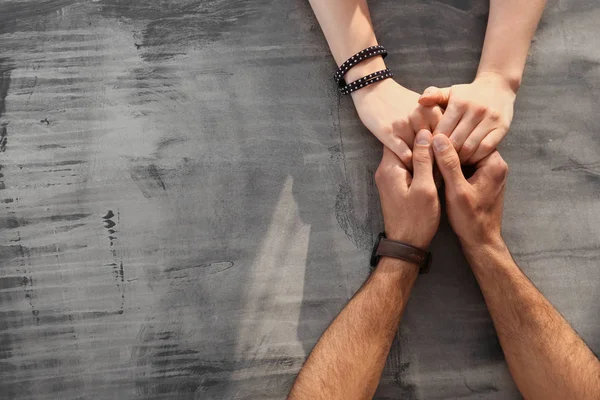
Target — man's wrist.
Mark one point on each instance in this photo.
(477, 252)
(395, 269)
(408, 238)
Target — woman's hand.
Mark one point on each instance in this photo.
(392, 113)
(477, 115)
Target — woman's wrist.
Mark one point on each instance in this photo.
(510, 82)
(363, 95)
(365, 68)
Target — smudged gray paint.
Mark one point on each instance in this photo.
(22, 16)
(170, 27)
(148, 179)
(199, 204)
(5, 68)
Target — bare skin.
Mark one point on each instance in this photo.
(348, 360)
(390, 111)
(478, 114)
(546, 357)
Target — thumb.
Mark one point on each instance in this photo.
(435, 96)
(448, 162)
(422, 160)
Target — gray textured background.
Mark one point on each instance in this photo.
(199, 203)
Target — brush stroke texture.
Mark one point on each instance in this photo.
(187, 203)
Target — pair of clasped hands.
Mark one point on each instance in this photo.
(452, 126)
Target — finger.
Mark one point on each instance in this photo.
(451, 118)
(423, 160)
(487, 145)
(433, 95)
(490, 172)
(392, 170)
(403, 129)
(448, 162)
(425, 118)
(472, 142)
(465, 127)
(398, 146)
(400, 149)
(434, 118)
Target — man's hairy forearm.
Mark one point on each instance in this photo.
(546, 357)
(348, 360)
(511, 26)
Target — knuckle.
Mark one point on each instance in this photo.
(461, 105)
(380, 174)
(479, 110)
(500, 169)
(504, 166)
(386, 129)
(486, 148)
(417, 115)
(462, 195)
(456, 143)
(418, 190)
(425, 192)
(430, 194)
(493, 115)
(407, 158)
(451, 162)
(400, 125)
(467, 148)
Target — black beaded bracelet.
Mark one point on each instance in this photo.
(367, 80)
(357, 58)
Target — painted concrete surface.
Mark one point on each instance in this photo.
(187, 203)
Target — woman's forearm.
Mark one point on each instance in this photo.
(347, 27)
(511, 26)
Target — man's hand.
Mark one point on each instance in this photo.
(474, 204)
(392, 113)
(477, 116)
(411, 209)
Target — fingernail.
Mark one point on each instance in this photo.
(440, 142)
(423, 137)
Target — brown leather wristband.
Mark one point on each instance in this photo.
(402, 251)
